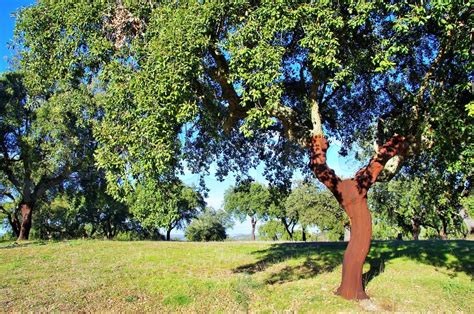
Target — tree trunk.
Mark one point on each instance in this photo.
(352, 196)
(303, 234)
(355, 204)
(416, 230)
(26, 209)
(253, 221)
(14, 223)
(287, 228)
(444, 230)
(168, 234)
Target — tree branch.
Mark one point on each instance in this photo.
(221, 75)
(318, 148)
(5, 167)
(317, 126)
(45, 183)
(397, 145)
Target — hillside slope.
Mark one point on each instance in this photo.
(230, 276)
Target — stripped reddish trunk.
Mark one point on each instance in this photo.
(354, 202)
(26, 215)
(352, 196)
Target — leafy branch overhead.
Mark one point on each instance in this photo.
(187, 82)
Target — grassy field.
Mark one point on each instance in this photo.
(231, 276)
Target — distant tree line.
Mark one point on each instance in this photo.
(426, 205)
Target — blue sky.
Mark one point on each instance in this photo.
(344, 167)
(7, 23)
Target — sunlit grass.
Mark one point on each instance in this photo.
(231, 276)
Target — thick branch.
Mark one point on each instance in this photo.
(317, 126)
(417, 107)
(7, 194)
(397, 145)
(293, 130)
(221, 76)
(12, 220)
(45, 183)
(318, 148)
(5, 167)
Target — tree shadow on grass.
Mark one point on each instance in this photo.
(322, 257)
(11, 245)
(319, 257)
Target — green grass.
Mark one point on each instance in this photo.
(230, 276)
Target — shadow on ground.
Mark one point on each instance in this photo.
(11, 245)
(321, 257)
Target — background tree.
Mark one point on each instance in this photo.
(279, 210)
(186, 84)
(273, 230)
(43, 139)
(315, 207)
(209, 226)
(467, 211)
(171, 206)
(430, 200)
(248, 199)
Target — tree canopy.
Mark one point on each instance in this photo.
(183, 83)
(44, 139)
(171, 207)
(316, 207)
(248, 199)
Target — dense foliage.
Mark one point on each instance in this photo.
(44, 140)
(156, 207)
(190, 81)
(209, 226)
(147, 90)
(432, 201)
(249, 199)
(315, 207)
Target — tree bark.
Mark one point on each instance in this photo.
(253, 221)
(416, 230)
(14, 222)
(168, 234)
(352, 196)
(354, 202)
(26, 209)
(444, 230)
(287, 228)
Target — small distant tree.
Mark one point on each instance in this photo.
(278, 210)
(273, 230)
(315, 207)
(209, 226)
(248, 199)
(167, 206)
